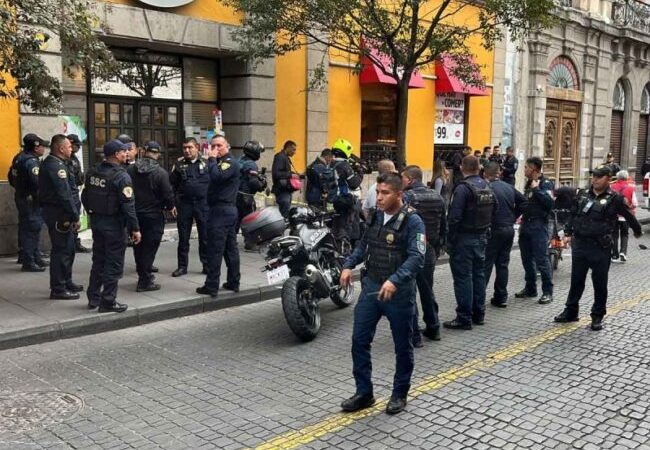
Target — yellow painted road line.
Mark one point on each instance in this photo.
(337, 422)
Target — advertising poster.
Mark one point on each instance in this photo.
(450, 119)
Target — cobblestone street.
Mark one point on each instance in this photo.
(238, 378)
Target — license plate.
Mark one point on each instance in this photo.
(278, 275)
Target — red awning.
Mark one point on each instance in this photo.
(371, 74)
(446, 82)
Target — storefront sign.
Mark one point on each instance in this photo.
(450, 118)
(166, 3)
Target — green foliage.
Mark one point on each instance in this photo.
(25, 25)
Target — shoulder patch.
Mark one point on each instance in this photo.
(35, 170)
(127, 191)
(62, 174)
(421, 240)
(224, 166)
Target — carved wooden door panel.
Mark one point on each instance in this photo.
(561, 141)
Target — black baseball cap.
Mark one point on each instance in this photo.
(113, 146)
(152, 146)
(601, 171)
(31, 141)
(124, 139)
(74, 139)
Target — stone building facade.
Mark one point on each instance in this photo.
(579, 90)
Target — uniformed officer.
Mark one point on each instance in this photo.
(76, 181)
(317, 193)
(510, 203)
(509, 167)
(534, 233)
(252, 181)
(108, 198)
(190, 179)
(132, 151)
(590, 228)
(469, 218)
(222, 240)
(153, 194)
(431, 208)
(23, 176)
(393, 250)
(61, 213)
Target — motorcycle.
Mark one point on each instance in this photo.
(557, 243)
(309, 263)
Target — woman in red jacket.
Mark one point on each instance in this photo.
(624, 186)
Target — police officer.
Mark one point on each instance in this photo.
(393, 250)
(222, 238)
(611, 164)
(534, 233)
(469, 218)
(252, 181)
(431, 208)
(342, 185)
(108, 198)
(153, 194)
(590, 228)
(58, 198)
(132, 152)
(23, 176)
(76, 181)
(190, 178)
(496, 155)
(281, 172)
(509, 167)
(510, 203)
(317, 193)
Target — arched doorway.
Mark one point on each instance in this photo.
(642, 137)
(618, 113)
(562, 123)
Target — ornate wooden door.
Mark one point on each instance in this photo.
(561, 142)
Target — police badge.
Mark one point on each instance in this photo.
(421, 240)
(390, 238)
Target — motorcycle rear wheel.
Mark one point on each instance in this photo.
(300, 310)
(343, 297)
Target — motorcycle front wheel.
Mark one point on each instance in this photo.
(300, 308)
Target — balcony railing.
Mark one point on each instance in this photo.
(633, 14)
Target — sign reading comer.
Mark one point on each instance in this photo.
(450, 118)
(166, 3)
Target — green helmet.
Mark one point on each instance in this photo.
(343, 147)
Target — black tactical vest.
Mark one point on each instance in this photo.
(100, 195)
(429, 206)
(595, 219)
(386, 250)
(18, 176)
(478, 215)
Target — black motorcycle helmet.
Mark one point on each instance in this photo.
(253, 149)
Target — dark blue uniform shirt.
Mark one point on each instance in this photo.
(540, 200)
(55, 185)
(510, 204)
(126, 217)
(190, 180)
(224, 180)
(27, 168)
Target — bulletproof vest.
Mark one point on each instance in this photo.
(18, 176)
(386, 251)
(594, 219)
(100, 195)
(429, 205)
(478, 215)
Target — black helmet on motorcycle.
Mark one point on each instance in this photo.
(253, 149)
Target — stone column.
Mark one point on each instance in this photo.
(538, 73)
(317, 104)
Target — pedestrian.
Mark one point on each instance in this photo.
(510, 203)
(624, 186)
(456, 161)
(59, 206)
(613, 166)
(590, 228)
(190, 178)
(281, 172)
(341, 182)
(252, 181)
(153, 195)
(442, 182)
(509, 166)
(77, 180)
(316, 192)
(222, 219)
(370, 202)
(470, 215)
(430, 206)
(393, 250)
(534, 232)
(108, 198)
(23, 176)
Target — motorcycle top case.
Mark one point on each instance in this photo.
(263, 225)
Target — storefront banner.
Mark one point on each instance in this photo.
(450, 119)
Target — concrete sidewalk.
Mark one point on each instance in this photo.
(28, 317)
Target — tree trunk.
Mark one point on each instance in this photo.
(402, 115)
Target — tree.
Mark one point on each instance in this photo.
(143, 78)
(25, 26)
(413, 34)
